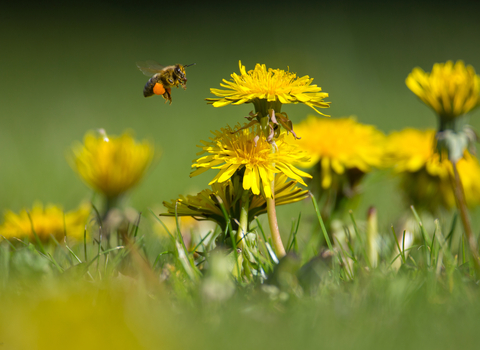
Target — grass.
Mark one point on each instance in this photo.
(151, 291)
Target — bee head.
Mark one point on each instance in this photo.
(179, 71)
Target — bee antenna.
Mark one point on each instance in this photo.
(188, 65)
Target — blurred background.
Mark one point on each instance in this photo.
(66, 69)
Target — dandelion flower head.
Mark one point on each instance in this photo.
(46, 221)
(272, 85)
(412, 153)
(340, 144)
(111, 165)
(450, 89)
(411, 149)
(241, 150)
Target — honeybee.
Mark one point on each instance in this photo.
(163, 78)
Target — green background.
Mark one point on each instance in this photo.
(67, 69)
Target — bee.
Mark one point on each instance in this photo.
(163, 78)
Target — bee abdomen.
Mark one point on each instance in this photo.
(148, 89)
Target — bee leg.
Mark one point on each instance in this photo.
(168, 95)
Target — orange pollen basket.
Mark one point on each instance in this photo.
(158, 89)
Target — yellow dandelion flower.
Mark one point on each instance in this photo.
(338, 145)
(427, 178)
(47, 221)
(469, 172)
(450, 89)
(205, 204)
(241, 150)
(111, 165)
(272, 85)
(411, 149)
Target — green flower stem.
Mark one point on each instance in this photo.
(110, 203)
(243, 227)
(272, 221)
(272, 218)
(467, 226)
(455, 124)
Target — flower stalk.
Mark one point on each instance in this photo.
(243, 226)
(110, 203)
(272, 217)
(274, 231)
(467, 226)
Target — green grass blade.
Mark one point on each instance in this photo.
(85, 243)
(201, 242)
(179, 233)
(54, 262)
(294, 243)
(230, 231)
(320, 220)
(161, 223)
(360, 239)
(71, 251)
(349, 243)
(10, 243)
(272, 254)
(159, 255)
(398, 245)
(261, 229)
(452, 229)
(424, 235)
(39, 242)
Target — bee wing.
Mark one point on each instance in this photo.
(149, 68)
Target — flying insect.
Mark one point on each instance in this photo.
(162, 78)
